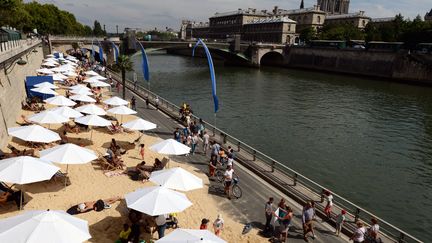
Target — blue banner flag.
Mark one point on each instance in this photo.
(116, 51)
(100, 52)
(93, 51)
(145, 66)
(212, 72)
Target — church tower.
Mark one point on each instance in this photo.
(334, 6)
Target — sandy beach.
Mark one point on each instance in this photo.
(88, 183)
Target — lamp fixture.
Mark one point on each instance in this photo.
(21, 62)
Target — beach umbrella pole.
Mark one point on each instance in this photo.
(67, 169)
(21, 199)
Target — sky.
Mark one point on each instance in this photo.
(149, 14)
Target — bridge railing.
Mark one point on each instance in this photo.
(391, 232)
(80, 38)
(10, 48)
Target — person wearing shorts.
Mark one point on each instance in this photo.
(229, 172)
(307, 219)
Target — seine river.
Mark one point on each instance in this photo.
(367, 140)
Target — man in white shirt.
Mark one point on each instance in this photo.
(206, 140)
(268, 214)
(229, 172)
(161, 224)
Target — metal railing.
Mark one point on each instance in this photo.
(391, 232)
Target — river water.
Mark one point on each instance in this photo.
(367, 140)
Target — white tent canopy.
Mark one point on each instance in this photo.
(190, 236)
(177, 179)
(48, 117)
(60, 100)
(49, 64)
(66, 112)
(59, 77)
(122, 110)
(44, 226)
(91, 73)
(98, 83)
(91, 109)
(115, 101)
(34, 133)
(79, 87)
(44, 91)
(171, 147)
(25, 169)
(139, 125)
(68, 154)
(93, 120)
(99, 77)
(157, 200)
(81, 91)
(44, 71)
(83, 98)
(46, 85)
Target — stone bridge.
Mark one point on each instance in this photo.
(249, 54)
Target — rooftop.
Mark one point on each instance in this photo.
(347, 16)
(382, 20)
(272, 20)
(298, 11)
(249, 11)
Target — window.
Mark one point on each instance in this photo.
(319, 19)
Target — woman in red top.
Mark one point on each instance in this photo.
(204, 223)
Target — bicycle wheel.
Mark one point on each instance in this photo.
(236, 191)
(220, 175)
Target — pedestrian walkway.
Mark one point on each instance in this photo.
(249, 208)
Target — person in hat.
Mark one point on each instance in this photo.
(340, 220)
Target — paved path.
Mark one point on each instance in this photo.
(249, 208)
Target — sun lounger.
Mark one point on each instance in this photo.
(105, 164)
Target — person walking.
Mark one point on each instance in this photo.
(135, 80)
(268, 214)
(147, 101)
(329, 203)
(213, 165)
(161, 225)
(194, 142)
(340, 220)
(307, 219)
(218, 225)
(177, 135)
(133, 103)
(285, 218)
(157, 102)
(373, 231)
(206, 141)
(228, 175)
(359, 234)
(142, 151)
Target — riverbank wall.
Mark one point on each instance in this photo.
(12, 80)
(400, 66)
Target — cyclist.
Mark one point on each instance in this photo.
(229, 173)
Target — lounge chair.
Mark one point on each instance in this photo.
(104, 163)
(12, 195)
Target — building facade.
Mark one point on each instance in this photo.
(334, 6)
(224, 25)
(359, 19)
(270, 30)
(305, 18)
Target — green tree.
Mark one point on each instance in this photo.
(308, 34)
(341, 32)
(97, 29)
(124, 64)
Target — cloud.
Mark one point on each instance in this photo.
(149, 14)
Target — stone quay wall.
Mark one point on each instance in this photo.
(12, 86)
(400, 66)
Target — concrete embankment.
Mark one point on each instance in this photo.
(12, 86)
(399, 66)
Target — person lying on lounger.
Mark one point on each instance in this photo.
(97, 206)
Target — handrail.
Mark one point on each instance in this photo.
(402, 237)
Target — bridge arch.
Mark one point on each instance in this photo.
(272, 58)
